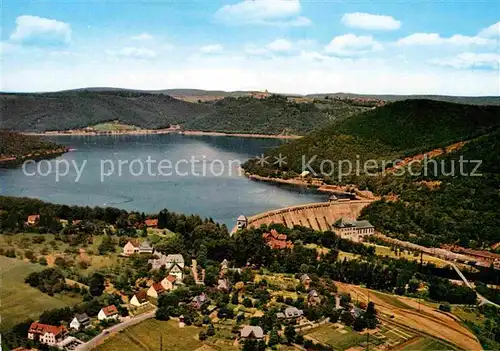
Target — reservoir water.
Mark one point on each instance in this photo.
(198, 174)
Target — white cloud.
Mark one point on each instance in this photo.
(263, 12)
(350, 44)
(369, 21)
(212, 49)
(280, 45)
(491, 31)
(142, 37)
(436, 39)
(39, 30)
(470, 60)
(133, 52)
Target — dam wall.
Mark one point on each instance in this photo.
(318, 216)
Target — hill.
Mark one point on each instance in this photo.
(439, 205)
(17, 145)
(272, 115)
(472, 100)
(79, 109)
(387, 133)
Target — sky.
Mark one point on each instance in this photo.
(285, 46)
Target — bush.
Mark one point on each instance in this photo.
(445, 307)
(202, 336)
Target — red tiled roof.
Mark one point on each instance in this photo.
(109, 310)
(158, 287)
(33, 218)
(142, 296)
(171, 278)
(151, 222)
(39, 328)
(277, 241)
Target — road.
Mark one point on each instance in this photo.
(93, 343)
(483, 300)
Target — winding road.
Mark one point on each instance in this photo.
(482, 300)
(95, 342)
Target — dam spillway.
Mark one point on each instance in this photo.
(318, 216)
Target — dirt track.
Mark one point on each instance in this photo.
(427, 320)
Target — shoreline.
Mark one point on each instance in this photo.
(161, 131)
(318, 185)
(34, 156)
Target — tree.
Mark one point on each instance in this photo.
(163, 313)
(290, 333)
(234, 299)
(43, 261)
(211, 330)
(274, 338)
(247, 302)
(96, 284)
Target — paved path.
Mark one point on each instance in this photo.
(483, 300)
(93, 343)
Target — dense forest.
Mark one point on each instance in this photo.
(460, 209)
(17, 145)
(274, 115)
(153, 110)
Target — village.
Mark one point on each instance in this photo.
(225, 297)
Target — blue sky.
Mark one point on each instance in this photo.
(446, 47)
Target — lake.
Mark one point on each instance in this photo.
(189, 174)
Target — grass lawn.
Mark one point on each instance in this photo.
(104, 127)
(19, 300)
(468, 314)
(52, 248)
(386, 251)
(146, 336)
(328, 334)
(390, 299)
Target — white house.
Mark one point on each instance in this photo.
(108, 312)
(46, 334)
(174, 264)
(156, 290)
(139, 299)
(130, 248)
(353, 230)
(241, 222)
(80, 321)
(169, 282)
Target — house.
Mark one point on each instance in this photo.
(133, 247)
(33, 219)
(108, 312)
(174, 264)
(355, 312)
(306, 281)
(46, 334)
(293, 312)
(353, 230)
(130, 248)
(139, 299)
(156, 290)
(222, 285)
(251, 332)
(169, 282)
(313, 298)
(277, 241)
(199, 301)
(241, 222)
(151, 223)
(176, 271)
(80, 321)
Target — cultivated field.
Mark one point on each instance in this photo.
(19, 301)
(146, 336)
(407, 313)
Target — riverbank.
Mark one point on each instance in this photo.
(160, 131)
(319, 185)
(15, 160)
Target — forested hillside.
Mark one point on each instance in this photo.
(79, 109)
(16, 145)
(273, 115)
(446, 205)
(393, 131)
